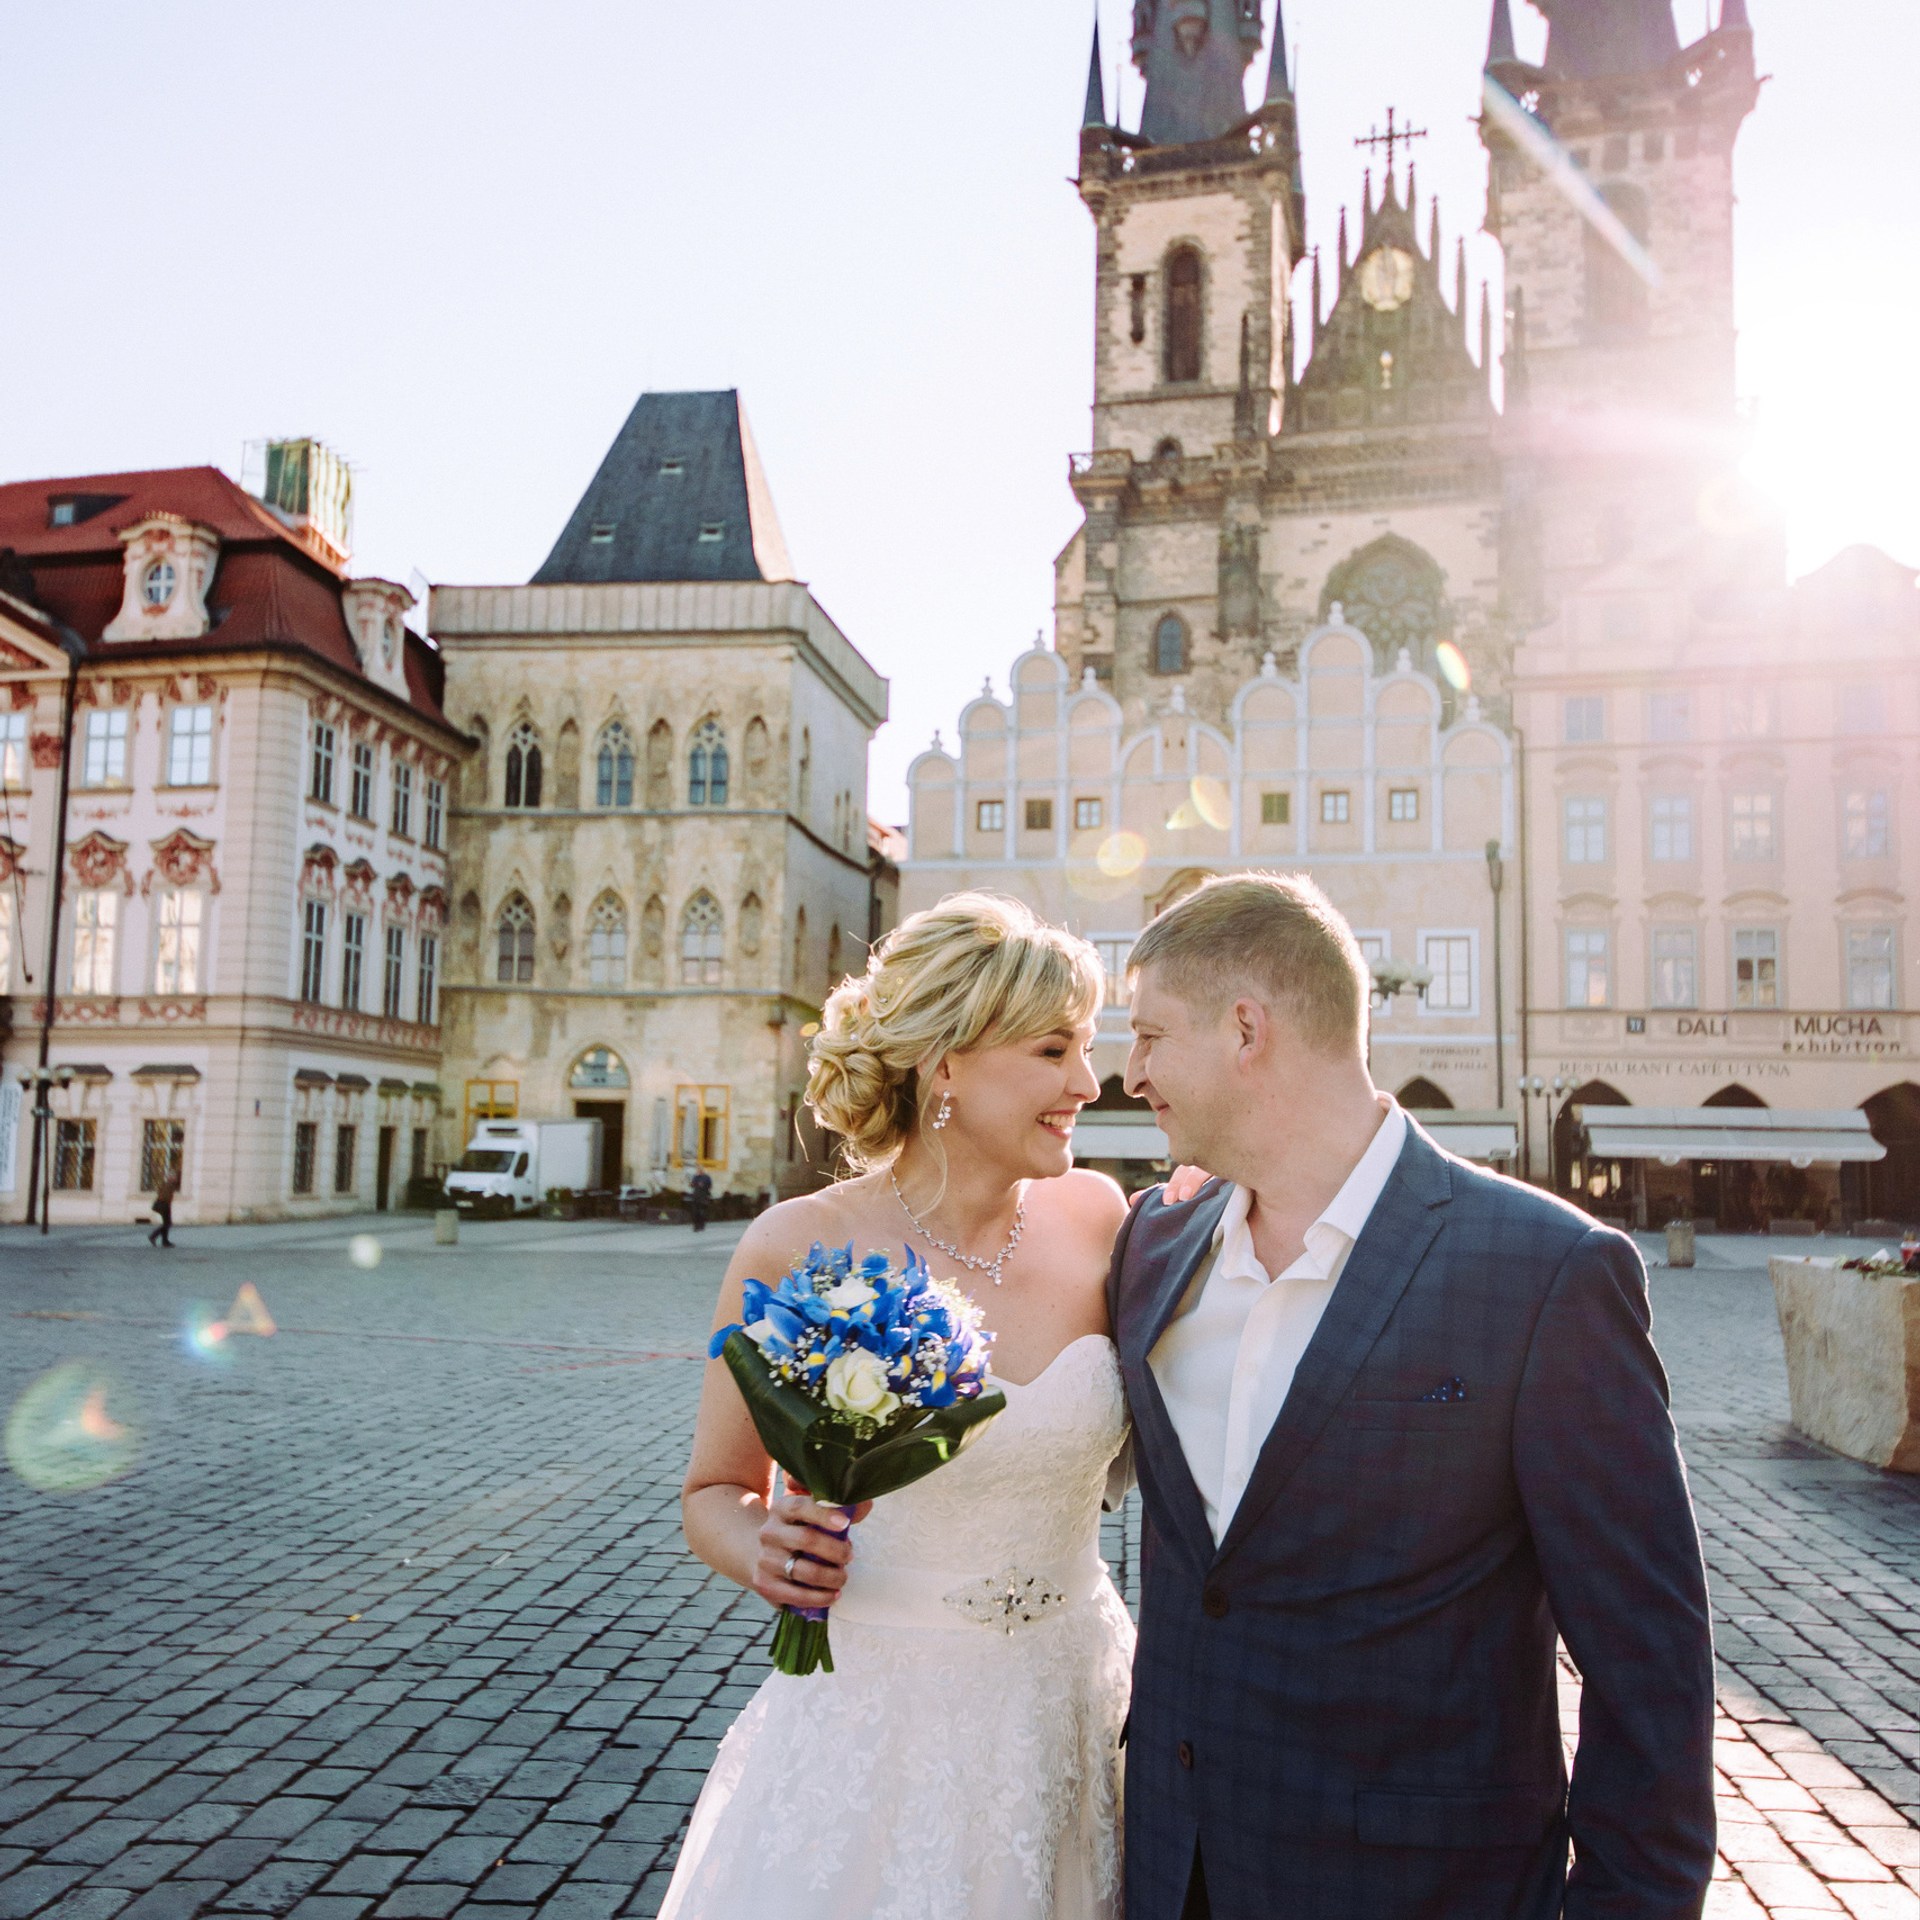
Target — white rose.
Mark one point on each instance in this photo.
(857, 1383)
(851, 1293)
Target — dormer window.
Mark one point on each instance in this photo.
(714, 530)
(674, 464)
(602, 533)
(157, 587)
(63, 513)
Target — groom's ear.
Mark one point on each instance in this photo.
(1253, 1028)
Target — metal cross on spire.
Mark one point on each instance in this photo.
(1395, 136)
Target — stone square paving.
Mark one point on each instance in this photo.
(390, 1616)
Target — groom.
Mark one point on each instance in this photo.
(1397, 1422)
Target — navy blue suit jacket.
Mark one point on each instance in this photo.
(1348, 1705)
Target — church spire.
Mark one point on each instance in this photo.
(1500, 36)
(1733, 17)
(1609, 39)
(1095, 114)
(1280, 85)
(1194, 56)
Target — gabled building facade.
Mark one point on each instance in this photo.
(662, 857)
(244, 902)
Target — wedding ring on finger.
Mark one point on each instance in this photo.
(786, 1572)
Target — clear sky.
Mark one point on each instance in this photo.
(455, 238)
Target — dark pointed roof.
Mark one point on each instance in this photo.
(1603, 39)
(1279, 83)
(1196, 80)
(1095, 114)
(679, 496)
(1500, 36)
(1733, 17)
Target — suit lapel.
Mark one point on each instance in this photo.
(1160, 1459)
(1402, 1226)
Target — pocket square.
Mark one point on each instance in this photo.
(1450, 1389)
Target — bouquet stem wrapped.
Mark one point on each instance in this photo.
(861, 1377)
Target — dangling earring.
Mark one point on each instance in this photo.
(946, 1109)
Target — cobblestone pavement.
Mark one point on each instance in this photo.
(390, 1616)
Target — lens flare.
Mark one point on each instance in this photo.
(364, 1251)
(1121, 855)
(1101, 866)
(249, 1314)
(67, 1432)
(1453, 666)
(1209, 799)
(205, 1333)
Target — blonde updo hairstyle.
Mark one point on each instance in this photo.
(976, 970)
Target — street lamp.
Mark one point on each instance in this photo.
(1391, 978)
(39, 1083)
(1531, 1087)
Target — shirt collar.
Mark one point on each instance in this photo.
(1345, 1215)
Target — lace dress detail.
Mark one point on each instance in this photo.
(962, 1762)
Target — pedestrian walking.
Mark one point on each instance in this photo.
(700, 1199)
(162, 1234)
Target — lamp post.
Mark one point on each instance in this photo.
(1391, 978)
(39, 1083)
(1531, 1087)
(1496, 879)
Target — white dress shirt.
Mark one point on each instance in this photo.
(1227, 1359)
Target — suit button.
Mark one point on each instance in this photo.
(1213, 1603)
(1185, 1754)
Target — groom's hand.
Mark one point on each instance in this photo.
(810, 1539)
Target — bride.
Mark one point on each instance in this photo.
(962, 1762)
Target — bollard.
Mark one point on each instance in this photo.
(1679, 1243)
(446, 1227)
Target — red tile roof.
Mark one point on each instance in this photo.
(273, 586)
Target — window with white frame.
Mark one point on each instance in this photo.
(426, 980)
(1752, 836)
(1670, 818)
(190, 746)
(1864, 825)
(313, 951)
(1676, 971)
(1113, 960)
(1584, 719)
(1670, 715)
(393, 982)
(514, 935)
(1585, 818)
(360, 786)
(1403, 803)
(434, 823)
(103, 758)
(13, 749)
(703, 944)
(96, 929)
(320, 768)
(176, 956)
(1870, 968)
(1756, 967)
(1449, 958)
(1087, 814)
(1336, 807)
(400, 811)
(990, 816)
(353, 959)
(1589, 967)
(607, 943)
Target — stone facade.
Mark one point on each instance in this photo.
(254, 869)
(647, 936)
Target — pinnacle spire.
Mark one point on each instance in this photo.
(1096, 108)
(1280, 85)
(1500, 36)
(1733, 17)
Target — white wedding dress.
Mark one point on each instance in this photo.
(962, 1761)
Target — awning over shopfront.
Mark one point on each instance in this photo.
(1118, 1136)
(1801, 1137)
(1487, 1137)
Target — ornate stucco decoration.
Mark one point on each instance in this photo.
(100, 861)
(169, 565)
(375, 612)
(182, 858)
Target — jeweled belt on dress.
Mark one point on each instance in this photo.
(934, 1597)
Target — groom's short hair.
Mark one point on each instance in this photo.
(1274, 933)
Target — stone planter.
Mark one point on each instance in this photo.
(1853, 1359)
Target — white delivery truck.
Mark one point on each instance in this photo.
(510, 1166)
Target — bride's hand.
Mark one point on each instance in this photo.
(811, 1540)
(1183, 1183)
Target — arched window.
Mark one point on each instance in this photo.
(1170, 644)
(613, 775)
(523, 766)
(702, 942)
(660, 765)
(607, 943)
(707, 766)
(1423, 1096)
(1183, 314)
(515, 965)
(1616, 294)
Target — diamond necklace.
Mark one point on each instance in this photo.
(976, 1263)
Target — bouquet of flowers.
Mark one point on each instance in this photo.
(861, 1377)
